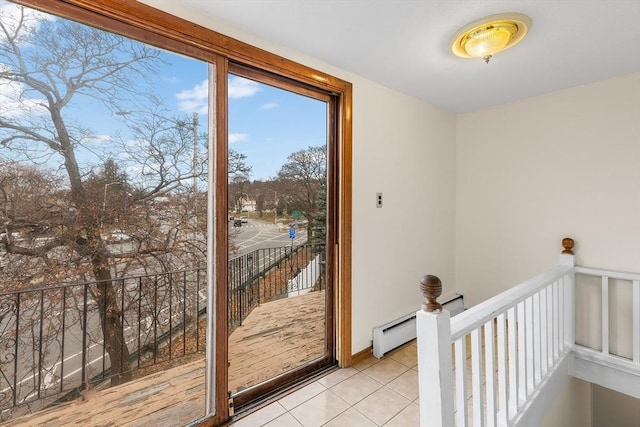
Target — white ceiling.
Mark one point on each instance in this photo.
(404, 44)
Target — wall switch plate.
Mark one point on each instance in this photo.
(378, 200)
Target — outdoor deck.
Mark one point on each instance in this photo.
(274, 338)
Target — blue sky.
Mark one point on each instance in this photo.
(265, 123)
(271, 123)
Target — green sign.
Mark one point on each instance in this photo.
(296, 214)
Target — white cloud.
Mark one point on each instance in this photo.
(237, 137)
(14, 103)
(136, 145)
(134, 172)
(12, 17)
(170, 79)
(270, 106)
(101, 138)
(194, 100)
(197, 99)
(241, 88)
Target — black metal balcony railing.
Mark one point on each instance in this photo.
(267, 274)
(52, 340)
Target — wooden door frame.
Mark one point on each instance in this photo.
(255, 392)
(149, 25)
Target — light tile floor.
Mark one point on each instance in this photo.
(372, 393)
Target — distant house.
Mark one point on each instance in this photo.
(248, 204)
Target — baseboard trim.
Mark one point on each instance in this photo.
(361, 355)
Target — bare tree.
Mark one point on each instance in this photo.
(238, 165)
(302, 181)
(46, 65)
(27, 206)
(239, 173)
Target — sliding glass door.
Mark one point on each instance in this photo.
(280, 192)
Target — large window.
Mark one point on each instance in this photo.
(114, 197)
(103, 182)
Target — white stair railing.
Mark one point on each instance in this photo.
(631, 279)
(504, 350)
(613, 360)
(513, 353)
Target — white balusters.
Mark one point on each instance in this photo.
(556, 319)
(537, 348)
(522, 357)
(550, 320)
(605, 315)
(529, 349)
(461, 381)
(636, 321)
(490, 372)
(476, 378)
(513, 361)
(544, 317)
(608, 308)
(563, 321)
(503, 370)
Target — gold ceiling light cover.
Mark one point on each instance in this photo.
(485, 37)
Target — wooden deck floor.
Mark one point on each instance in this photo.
(274, 338)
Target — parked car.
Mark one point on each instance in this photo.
(118, 236)
(244, 219)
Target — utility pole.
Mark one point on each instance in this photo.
(275, 205)
(195, 166)
(104, 202)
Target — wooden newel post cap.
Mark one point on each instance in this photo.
(567, 244)
(431, 288)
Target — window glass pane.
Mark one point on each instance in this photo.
(277, 309)
(103, 182)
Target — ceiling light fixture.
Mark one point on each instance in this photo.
(487, 36)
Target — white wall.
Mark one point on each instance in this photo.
(572, 407)
(534, 171)
(405, 149)
(614, 409)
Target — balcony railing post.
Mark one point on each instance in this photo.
(239, 294)
(83, 384)
(434, 358)
(258, 275)
(568, 258)
(17, 350)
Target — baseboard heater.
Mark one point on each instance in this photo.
(393, 334)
